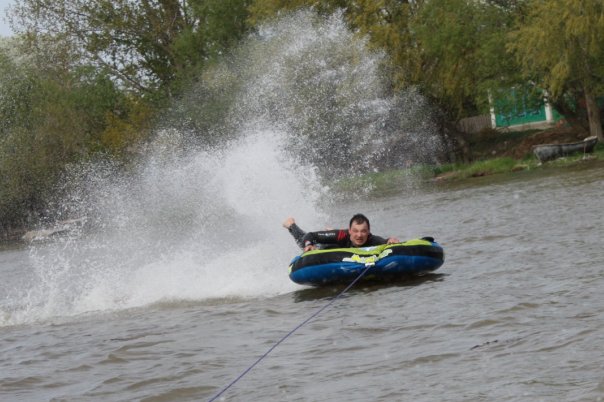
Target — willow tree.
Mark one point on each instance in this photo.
(462, 52)
(561, 44)
(387, 23)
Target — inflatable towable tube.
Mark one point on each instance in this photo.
(389, 262)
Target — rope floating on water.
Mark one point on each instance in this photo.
(289, 334)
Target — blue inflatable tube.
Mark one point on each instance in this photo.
(388, 262)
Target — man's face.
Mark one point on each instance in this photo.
(359, 232)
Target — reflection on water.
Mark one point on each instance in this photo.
(312, 294)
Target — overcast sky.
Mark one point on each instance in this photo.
(4, 29)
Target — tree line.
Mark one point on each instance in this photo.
(83, 78)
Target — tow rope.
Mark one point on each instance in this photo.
(367, 266)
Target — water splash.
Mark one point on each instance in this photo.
(188, 227)
(317, 81)
(199, 217)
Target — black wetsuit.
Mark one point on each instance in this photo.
(338, 237)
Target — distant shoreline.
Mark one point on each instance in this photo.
(493, 153)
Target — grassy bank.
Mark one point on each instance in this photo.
(510, 152)
(507, 165)
(384, 182)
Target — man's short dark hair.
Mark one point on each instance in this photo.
(359, 219)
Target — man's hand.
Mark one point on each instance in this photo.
(288, 222)
(309, 246)
(392, 240)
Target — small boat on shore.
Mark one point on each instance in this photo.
(61, 227)
(387, 263)
(548, 152)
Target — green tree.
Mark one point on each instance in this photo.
(50, 118)
(462, 53)
(560, 45)
(452, 49)
(388, 25)
(147, 44)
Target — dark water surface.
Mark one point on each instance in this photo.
(515, 314)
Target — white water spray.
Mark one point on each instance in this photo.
(191, 222)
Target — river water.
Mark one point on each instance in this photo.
(516, 313)
(178, 283)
